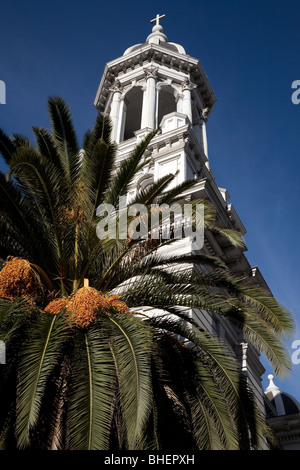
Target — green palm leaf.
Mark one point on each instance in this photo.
(101, 131)
(175, 194)
(40, 354)
(45, 145)
(97, 172)
(20, 141)
(211, 415)
(151, 193)
(278, 317)
(7, 147)
(130, 342)
(127, 171)
(65, 138)
(21, 216)
(91, 391)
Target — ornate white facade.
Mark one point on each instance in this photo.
(156, 84)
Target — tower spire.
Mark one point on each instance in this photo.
(157, 19)
(157, 36)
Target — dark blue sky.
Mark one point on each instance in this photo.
(250, 51)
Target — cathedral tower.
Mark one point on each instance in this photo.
(156, 84)
(153, 85)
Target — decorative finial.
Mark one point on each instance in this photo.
(157, 18)
(271, 385)
(157, 36)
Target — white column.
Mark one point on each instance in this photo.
(179, 101)
(115, 109)
(122, 120)
(151, 85)
(145, 111)
(204, 134)
(149, 99)
(204, 137)
(187, 87)
(186, 104)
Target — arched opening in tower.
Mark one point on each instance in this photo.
(166, 102)
(134, 104)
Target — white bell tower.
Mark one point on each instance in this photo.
(154, 85)
(157, 85)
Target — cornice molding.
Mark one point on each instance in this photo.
(155, 54)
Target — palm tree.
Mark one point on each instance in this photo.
(87, 368)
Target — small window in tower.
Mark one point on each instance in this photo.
(134, 104)
(166, 102)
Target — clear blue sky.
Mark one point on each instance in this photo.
(250, 51)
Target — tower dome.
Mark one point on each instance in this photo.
(283, 403)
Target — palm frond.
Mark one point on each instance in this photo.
(91, 391)
(39, 355)
(7, 147)
(101, 131)
(130, 343)
(43, 181)
(257, 332)
(278, 317)
(212, 423)
(233, 236)
(151, 193)
(126, 172)
(20, 141)
(175, 194)
(24, 230)
(97, 171)
(45, 145)
(65, 138)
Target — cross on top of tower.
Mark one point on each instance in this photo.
(157, 18)
(157, 36)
